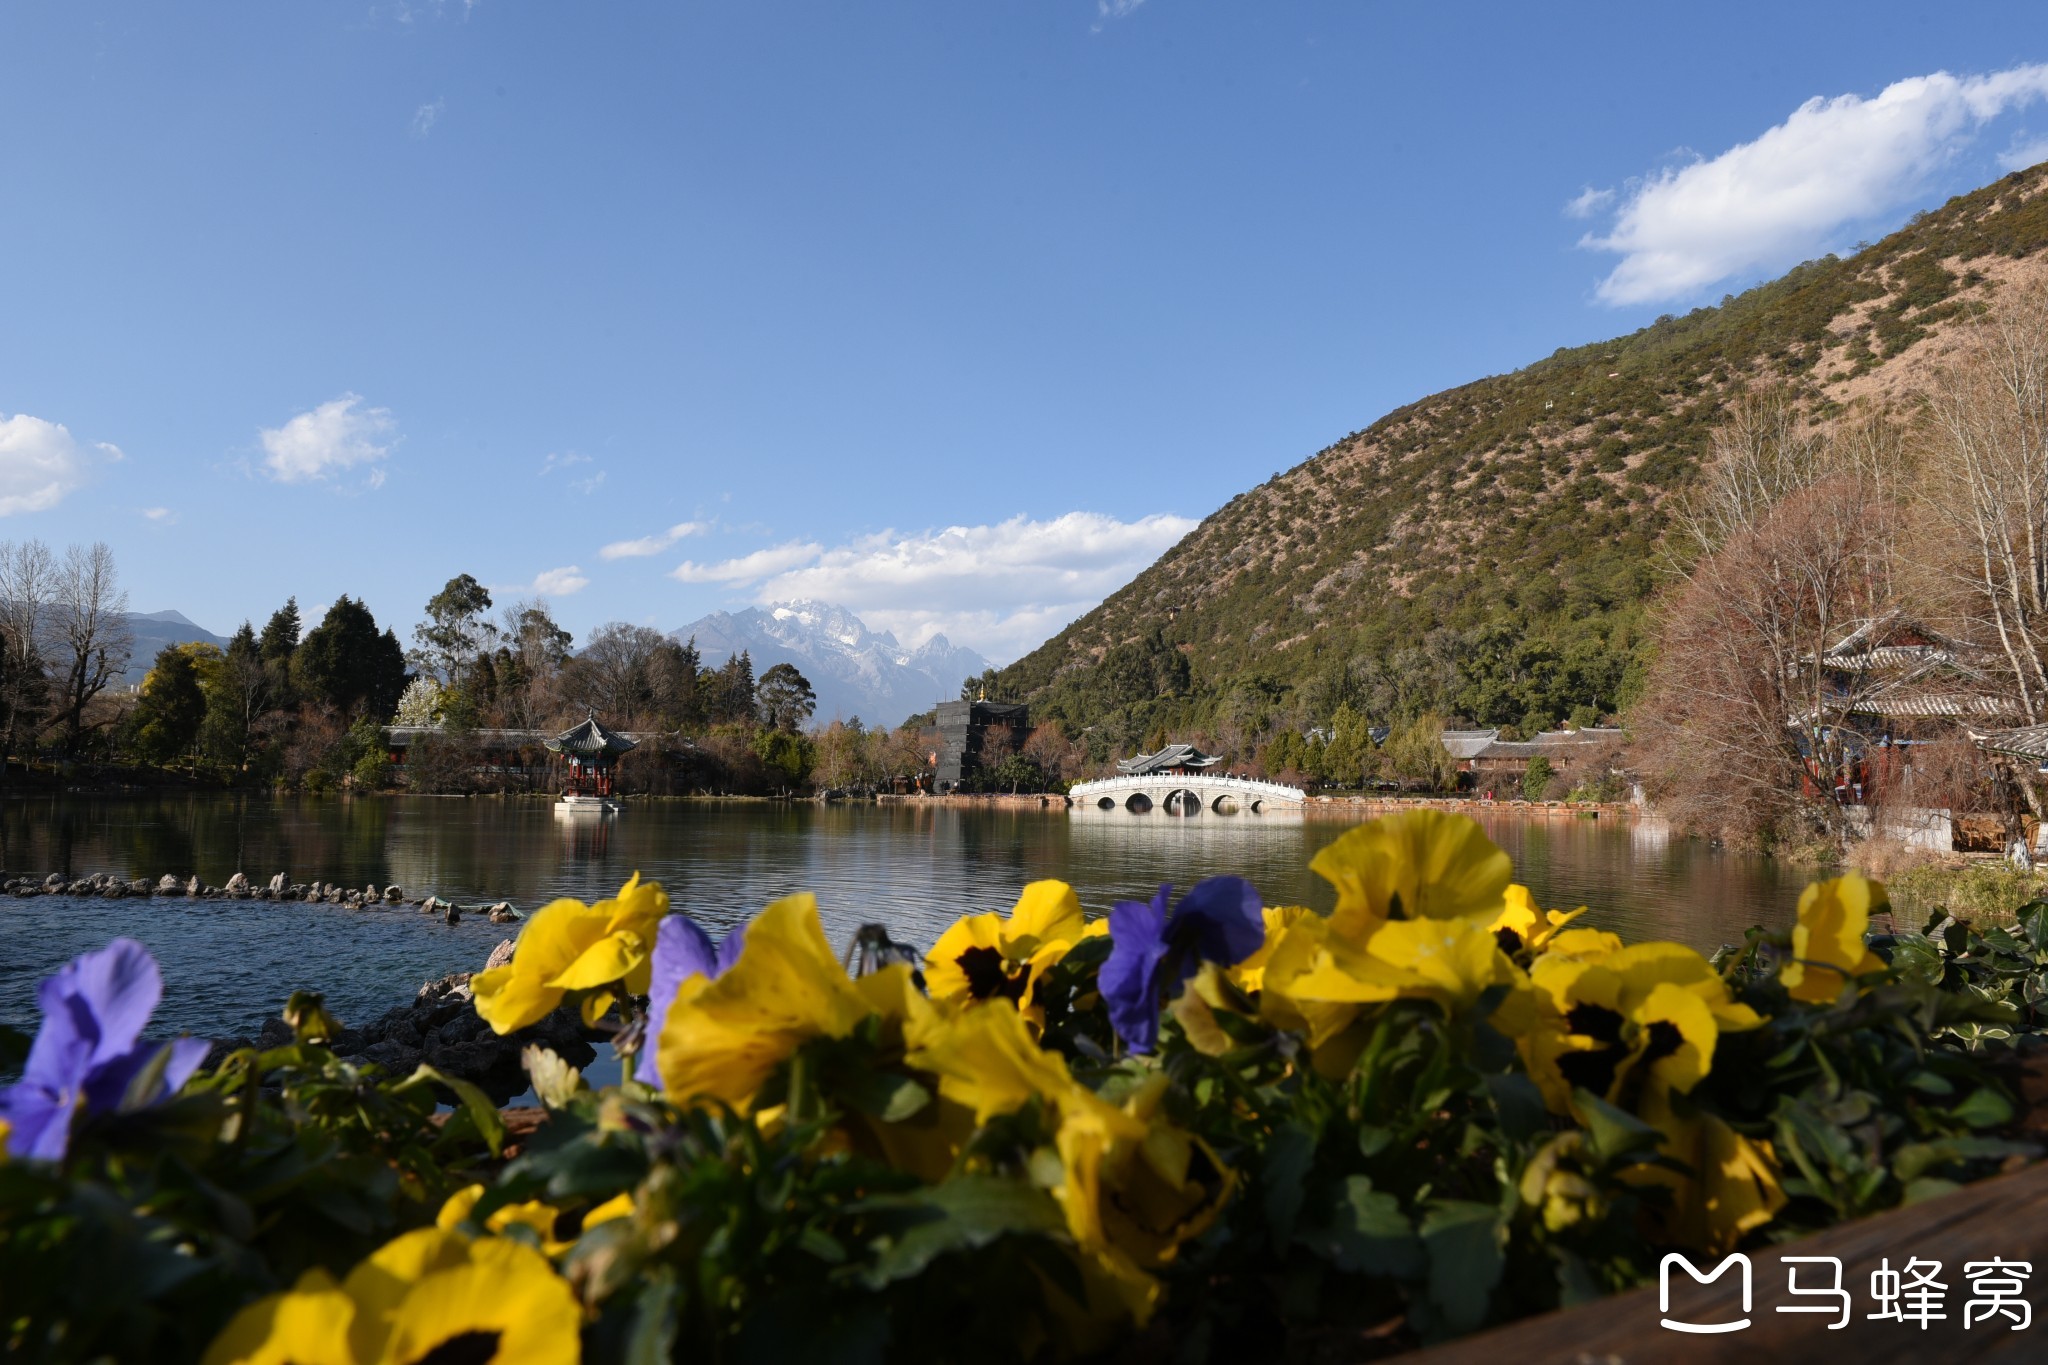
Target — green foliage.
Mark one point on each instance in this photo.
(788, 757)
(173, 706)
(346, 663)
(274, 1163)
(1536, 778)
(785, 697)
(455, 630)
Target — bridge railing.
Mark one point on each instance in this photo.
(1250, 786)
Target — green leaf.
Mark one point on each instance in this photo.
(1369, 1235)
(959, 1214)
(1614, 1133)
(1463, 1243)
(1287, 1161)
(887, 1095)
(482, 1112)
(652, 1338)
(1985, 1108)
(146, 1084)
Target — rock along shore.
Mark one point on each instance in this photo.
(107, 886)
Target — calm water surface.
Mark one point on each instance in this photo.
(229, 964)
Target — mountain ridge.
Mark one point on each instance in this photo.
(1487, 551)
(854, 670)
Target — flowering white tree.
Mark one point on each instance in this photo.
(420, 703)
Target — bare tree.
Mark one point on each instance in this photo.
(1746, 719)
(89, 635)
(1985, 490)
(28, 574)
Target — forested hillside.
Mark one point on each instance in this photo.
(1489, 552)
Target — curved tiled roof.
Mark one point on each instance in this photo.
(590, 740)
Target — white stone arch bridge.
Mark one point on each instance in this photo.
(1184, 795)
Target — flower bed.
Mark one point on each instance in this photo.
(1197, 1129)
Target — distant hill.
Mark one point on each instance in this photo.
(855, 671)
(1488, 551)
(156, 629)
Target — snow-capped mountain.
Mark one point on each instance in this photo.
(855, 671)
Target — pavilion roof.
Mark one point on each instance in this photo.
(1172, 756)
(590, 740)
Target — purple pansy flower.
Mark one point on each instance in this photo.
(89, 1049)
(681, 951)
(1153, 949)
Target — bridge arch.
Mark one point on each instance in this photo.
(1185, 794)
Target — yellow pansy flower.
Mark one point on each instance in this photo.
(1732, 1187)
(569, 946)
(724, 1038)
(1422, 864)
(543, 1218)
(1130, 1187)
(1827, 944)
(1250, 975)
(988, 957)
(423, 1292)
(1324, 978)
(1522, 925)
(1655, 1008)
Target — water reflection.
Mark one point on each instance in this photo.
(913, 866)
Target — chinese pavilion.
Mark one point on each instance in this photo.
(592, 752)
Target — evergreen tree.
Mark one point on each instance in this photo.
(173, 707)
(236, 699)
(785, 698)
(346, 663)
(455, 630)
(280, 638)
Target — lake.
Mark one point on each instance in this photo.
(229, 964)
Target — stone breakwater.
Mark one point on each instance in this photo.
(239, 888)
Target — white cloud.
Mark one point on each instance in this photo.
(2024, 152)
(426, 116)
(41, 462)
(651, 545)
(1107, 10)
(1588, 202)
(1000, 589)
(160, 515)
(557, 460)
(749, 568)
(335, 437)
(1763, 205)
(559, 582)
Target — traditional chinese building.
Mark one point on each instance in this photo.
(1185, 759)
(966, 729)
(592, 753)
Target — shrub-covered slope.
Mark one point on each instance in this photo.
(1488, 551)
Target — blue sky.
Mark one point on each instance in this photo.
(957, 314)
